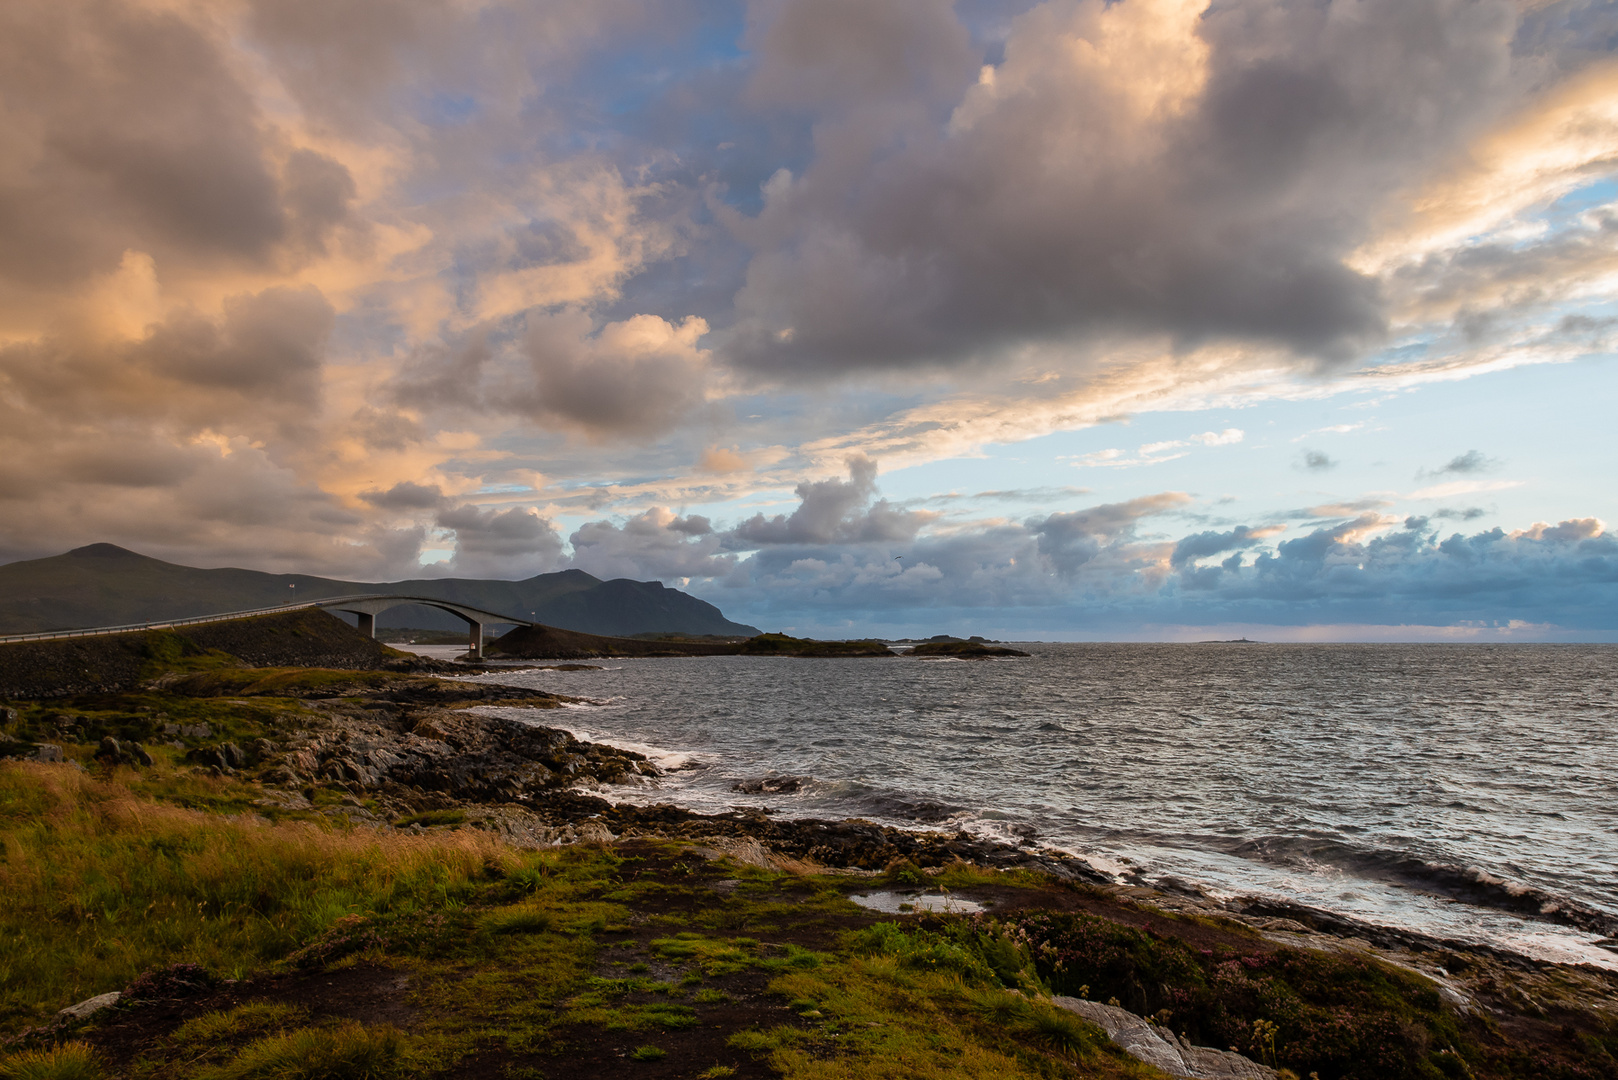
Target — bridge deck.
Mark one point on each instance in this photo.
(367, 606)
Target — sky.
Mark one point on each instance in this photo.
(1073, 319)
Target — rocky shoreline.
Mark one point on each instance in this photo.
(413, 752)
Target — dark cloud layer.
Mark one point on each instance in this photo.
(1205, 179)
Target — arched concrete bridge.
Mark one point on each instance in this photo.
(366, 607)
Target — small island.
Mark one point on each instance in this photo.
(964, 650)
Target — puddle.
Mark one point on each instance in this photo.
(902, 903)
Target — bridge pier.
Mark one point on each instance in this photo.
(475, 642)
(367, 623)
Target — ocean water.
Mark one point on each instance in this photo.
(1465, 791)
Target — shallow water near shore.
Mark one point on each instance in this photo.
(1468, 792)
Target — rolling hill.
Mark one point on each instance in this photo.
(106, 585)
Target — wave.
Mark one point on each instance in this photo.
(1467, 884)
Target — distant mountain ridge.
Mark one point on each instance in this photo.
(106, 585)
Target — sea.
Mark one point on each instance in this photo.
(1466, 792)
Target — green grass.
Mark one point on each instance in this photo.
(525, 920)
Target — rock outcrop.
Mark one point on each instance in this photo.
(1145, 1041)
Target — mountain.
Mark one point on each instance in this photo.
(106, 585)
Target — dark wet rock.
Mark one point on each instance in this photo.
(234, 758)
(772, 785)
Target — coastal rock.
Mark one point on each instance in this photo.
(90, 1006)
(209, 757)
(1145, 1041)
(48, 752)
(772, 785)
(114, 752)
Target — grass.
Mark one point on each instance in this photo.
(101, 885)
(348, 1051)
(69, 1061)
(252, 1019)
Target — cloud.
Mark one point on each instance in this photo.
(1473, 461)
(406, 495)
(1350, 508)
(1318, 461)
(837, 511)
(500, 543)
(901, 243)
(1464, 487)
(1200, 545)
(655, 544)
(1094, 571)
(1072, 539)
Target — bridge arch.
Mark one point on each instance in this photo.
(367, 608)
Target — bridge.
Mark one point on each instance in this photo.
(365, 607)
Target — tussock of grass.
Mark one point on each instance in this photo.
(101, 885)
(69, 1061)
(348, 1051)
(518, 921)
(252, 1019)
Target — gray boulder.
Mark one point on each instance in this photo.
(1145, 1041)
(90, 1006)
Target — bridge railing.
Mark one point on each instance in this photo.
(197, 620)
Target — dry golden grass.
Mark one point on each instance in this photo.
(101, 884)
